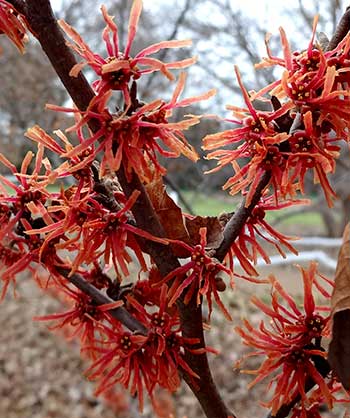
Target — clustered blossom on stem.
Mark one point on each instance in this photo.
(21, 205)
(311, 105)
(83, 320)
(198, 277)
(138, 362)
(87, 230)
(137, 138)
(291, 342)
(136, 134)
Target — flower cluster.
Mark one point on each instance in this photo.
(199, 276)
(84, 318)
(134, 135)
(22, 204)
(311, 106)
(292, 342)
(87, 233)
(138, 362)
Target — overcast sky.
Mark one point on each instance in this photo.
(270, 14)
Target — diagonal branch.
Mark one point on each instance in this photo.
(19, 5)
(237, 221)
(120, 314)
(341, 30)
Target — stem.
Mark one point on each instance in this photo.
(237, 221)
(19, 5)
(341, 30)
(120, 314)
(43, 24)
(204, 389)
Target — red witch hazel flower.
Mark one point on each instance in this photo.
(136, 138)
(141, 362)
(316, 399)
(165, 341)
(310, 149)
(197, 276)
(261, 137)
(247, 247)
(13, 25)
(18, 210)
(312, 105)
(119, 67)
(292, 342)
(83, 320)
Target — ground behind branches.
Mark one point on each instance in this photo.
(41, 374)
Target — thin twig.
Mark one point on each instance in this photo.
(19, 5)
(237, 221)
(167, 180)
(341, 30)
(120, 314)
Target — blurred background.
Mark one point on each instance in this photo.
(224, 33)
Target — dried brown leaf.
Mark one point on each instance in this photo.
(214, 230)
(339, 349)
(170, 215)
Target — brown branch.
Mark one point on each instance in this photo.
(341, 30)
(205, 389)
(19, 5)
(44, 25)
(120, 314)
(237, 221)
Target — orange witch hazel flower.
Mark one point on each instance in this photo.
(141, 362)
(292, 342)
(197, 276)
(316, 80)
(119, 67)
(18, 210)
(311, 108)
(310, 149)
(13, 25)
(247, 246)
(135, 138)
(261, 138)
(84, 318)
(316, 400)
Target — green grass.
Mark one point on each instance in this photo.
(207, 205)
(213, 206)
(312, 218)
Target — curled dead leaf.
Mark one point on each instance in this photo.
(170, 215)
(339, 349)
(214, 230)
